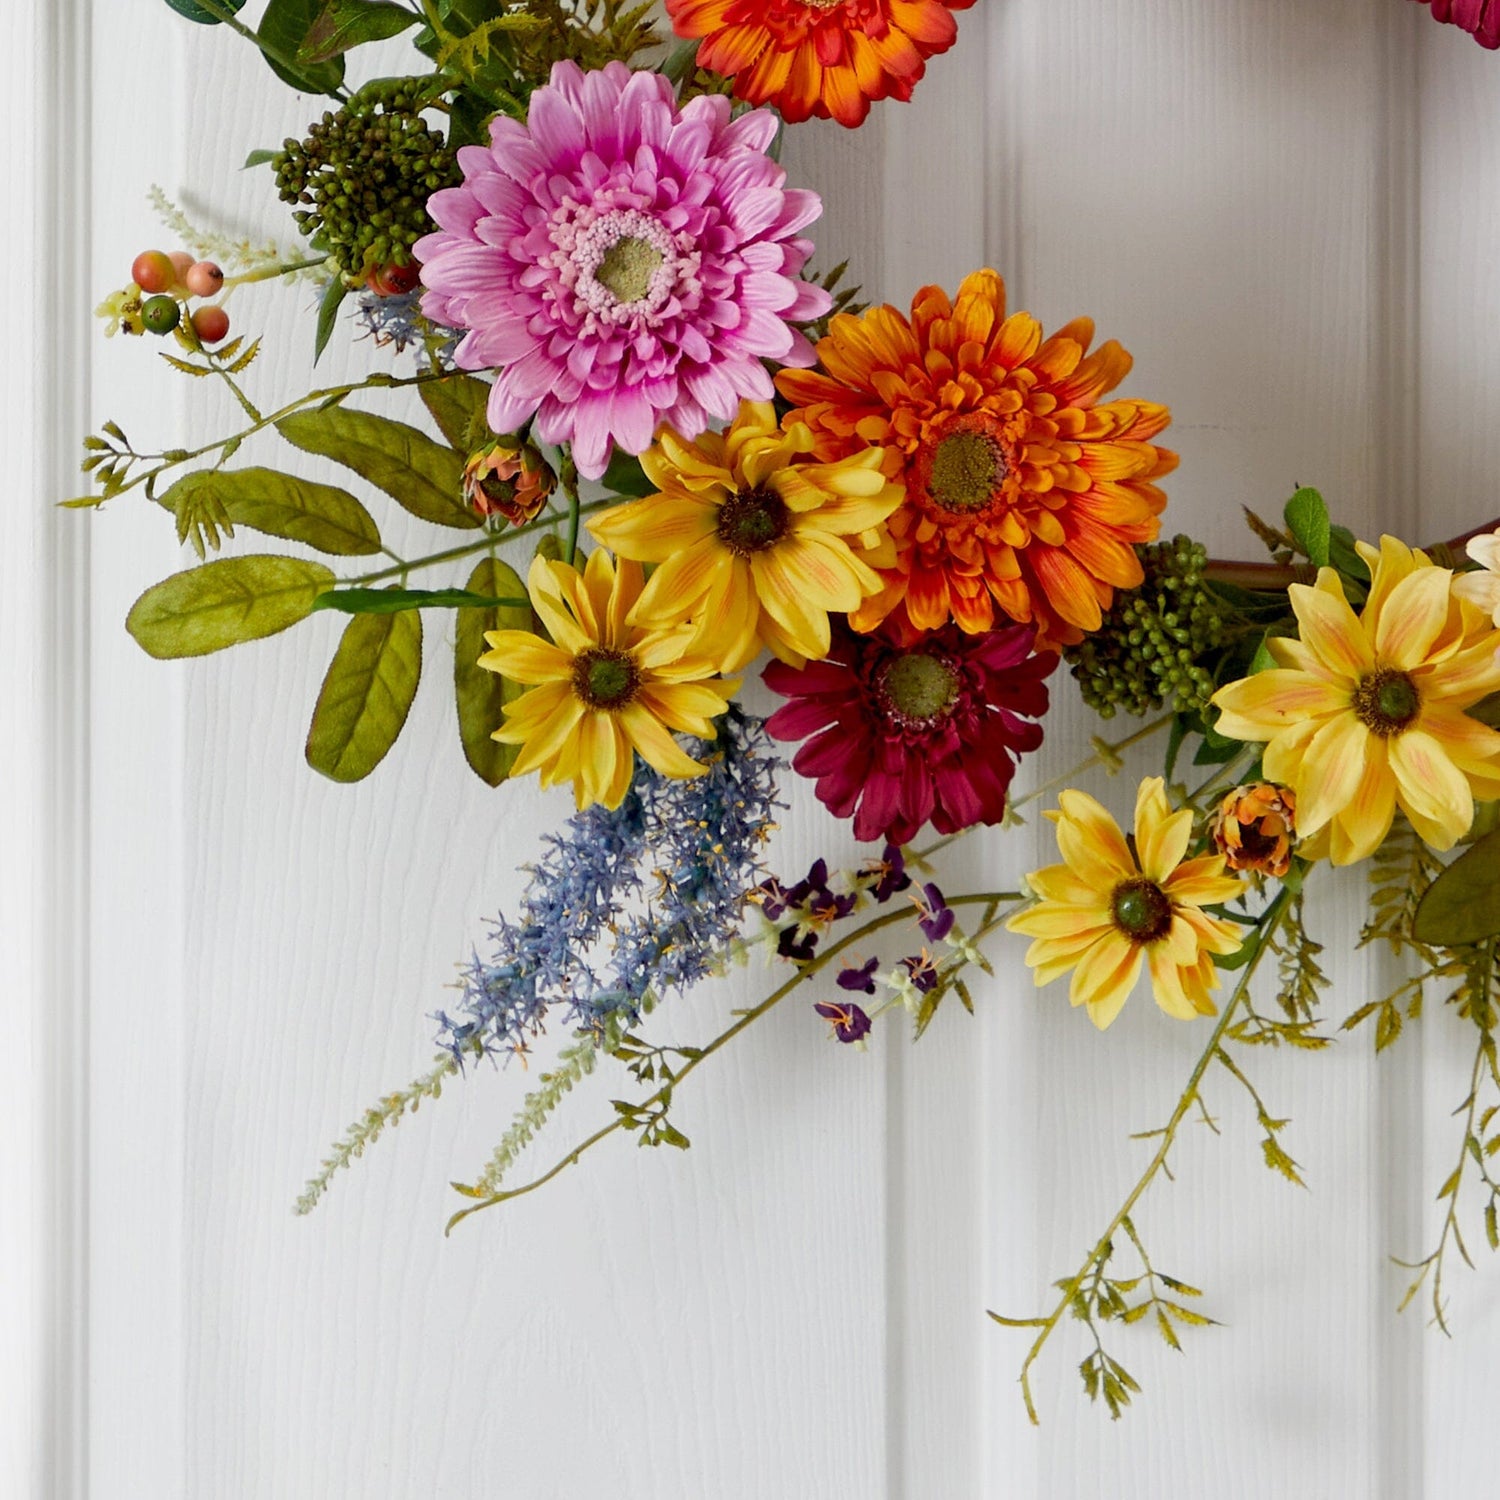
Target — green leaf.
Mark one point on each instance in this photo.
(392, 601)
(422, 476)
(195, 12)
(257, 158)
(265, 500)
(225, 602)
(328, 315)
(284, 28)
(1307, 520)
(1463, 904)
(457, 405)
(625, 476)
(366, 695)
(481, 695)
(343, 24)
(1262, 661)
(1351, 565)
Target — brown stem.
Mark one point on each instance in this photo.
(1267, 577)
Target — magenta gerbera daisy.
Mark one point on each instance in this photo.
(903, 733)
(623, 262)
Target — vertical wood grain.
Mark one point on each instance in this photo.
(795, 1307)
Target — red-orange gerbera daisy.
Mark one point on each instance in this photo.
(818, 57)
(1024, 492)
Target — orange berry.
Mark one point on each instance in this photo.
(181, 261)
(153, 271)
(393, 280)
(211, 324)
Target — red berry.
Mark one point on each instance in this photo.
(153, 271)
(181, 261)
(393, 280)
(211, 324)
(204, 279)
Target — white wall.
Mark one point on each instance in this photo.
(1287, 210)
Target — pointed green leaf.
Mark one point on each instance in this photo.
(1463, 904)
(457, 404)
(343, 24)
(277, 504)
(225, 602)
(481, 695)
(258, 157)
(422, 476)
(328, 315)
(366, 695)
(1307, 520)
(283, 29)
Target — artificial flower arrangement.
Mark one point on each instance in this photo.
(669, 453)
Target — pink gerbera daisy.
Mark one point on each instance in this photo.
(907, 733)
(1481, 18)
(627, 263)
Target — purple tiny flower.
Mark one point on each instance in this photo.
(771, 896)
(937, 916)
(794, 943)
(923, 971)
(861, 980)
(850, 1022)
(889, 872)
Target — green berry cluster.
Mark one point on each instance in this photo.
(1151, 648)
(364, 175)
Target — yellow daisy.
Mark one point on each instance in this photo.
(1105, 909)
(603, 688)
(757, 543)
(1365, 713)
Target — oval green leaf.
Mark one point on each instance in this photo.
(1307, 520)
(276, 504)
(195, 12)
(366, 695)
(1463, 904)
(421, 476)
(481, 695)
(225, 602)
(457, 404)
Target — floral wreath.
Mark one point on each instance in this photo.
(670, 451)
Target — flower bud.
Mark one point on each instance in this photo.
(1255, 826)
(508, 478)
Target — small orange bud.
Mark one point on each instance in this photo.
(1255, 826)
(509, 478)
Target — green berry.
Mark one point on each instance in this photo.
(161, 314)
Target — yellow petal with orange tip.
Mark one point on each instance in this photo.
(1358, 829)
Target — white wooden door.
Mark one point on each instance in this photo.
(1288, 210)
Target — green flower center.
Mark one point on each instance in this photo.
(1387, 702)
(753, 520)
(967, 469)
(627, 268)
(605, 679)
(1141, 910)
(919, 688)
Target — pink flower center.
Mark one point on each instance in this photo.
(622, 266)
(918, 689)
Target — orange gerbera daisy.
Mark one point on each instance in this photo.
(818, 57)
(1024, 492)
